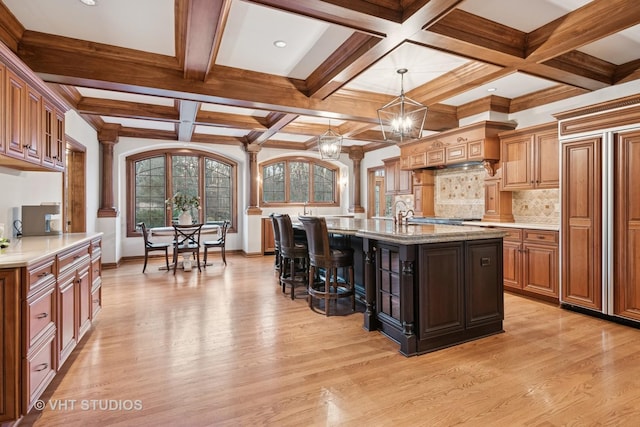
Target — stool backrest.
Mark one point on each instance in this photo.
(287, 240)
(318, 239)
(276, 230)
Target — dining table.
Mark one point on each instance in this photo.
(185, 264)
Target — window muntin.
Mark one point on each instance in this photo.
(298, 181)
(153, 177)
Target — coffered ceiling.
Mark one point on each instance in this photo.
(208, 70)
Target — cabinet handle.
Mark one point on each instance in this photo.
(77, 256)
(540, 237)
(45, 274)
(96, 301)
(42, 316)
(41, 367)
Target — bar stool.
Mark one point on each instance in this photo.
(276, 238)
(294, 265)
(322, 256)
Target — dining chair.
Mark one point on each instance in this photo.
(151, 246)
(221, 243)
(186, 239)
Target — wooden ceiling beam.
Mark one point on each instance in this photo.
(236, 121)
(545, 96)
(202, 22)
(133, 110)
(593, 21)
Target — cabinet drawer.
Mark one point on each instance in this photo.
(40, 369)
(457, 153)
(70, 259)
(541, 236)
(41, 273)
(475, 150)
(513, 234)
(40, 313)
(435, 157)
(418, 160)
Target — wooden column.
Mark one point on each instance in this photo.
(108, 137)
(253, 150)
(356, 154)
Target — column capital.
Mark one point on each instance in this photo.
(109, 133)
(252, 148)
(356, 152)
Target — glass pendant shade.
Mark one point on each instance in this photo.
(403, 118)
(329, 145)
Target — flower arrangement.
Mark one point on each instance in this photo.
(183, 202)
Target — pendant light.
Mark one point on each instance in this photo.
(329, 144)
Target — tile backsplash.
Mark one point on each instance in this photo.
(459, 192)
(536, 206)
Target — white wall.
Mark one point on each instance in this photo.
(20, 188)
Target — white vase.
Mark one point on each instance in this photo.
(185, 218)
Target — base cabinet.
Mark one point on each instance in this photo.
(531, 263)
(45, 308)
(431, 296)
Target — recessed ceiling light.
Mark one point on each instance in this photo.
(89, 2)
(280, 43)
(492, 89)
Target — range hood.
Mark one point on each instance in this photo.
(476, 144)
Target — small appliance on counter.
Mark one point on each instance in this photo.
(41, 220)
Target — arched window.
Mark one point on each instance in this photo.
(155, 176)
(299, 180)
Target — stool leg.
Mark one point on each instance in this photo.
(327, 289)
(352, 283)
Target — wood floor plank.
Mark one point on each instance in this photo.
(225, 347)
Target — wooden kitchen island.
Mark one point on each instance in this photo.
(427, 286)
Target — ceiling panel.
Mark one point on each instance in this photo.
(146, 25)
(124, 96)
(138, 123)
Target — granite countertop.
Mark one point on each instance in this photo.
(530, 225)
(408, 234)
(29, 250)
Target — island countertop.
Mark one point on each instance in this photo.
(408, 234)
(29, 250)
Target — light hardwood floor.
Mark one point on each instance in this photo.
(226, 347)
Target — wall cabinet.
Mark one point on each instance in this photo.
(397, 180)
(423, 193)
(31, 119)
(497, 203)
(530, 158)
(530, 260)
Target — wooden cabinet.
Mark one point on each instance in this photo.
(581, 223)
(530, 158)
(423, 193)
(16, 95)
(39, 355)
(397, 180)
(431, 296)
(31, 119)
(530, 260)
(9, 346)
(53, 142)
(95, 303)
(45, 307)
(3, 106)
(626, 225)
(497, 203)
(268, 240)
(477, 142)
(73, 298)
